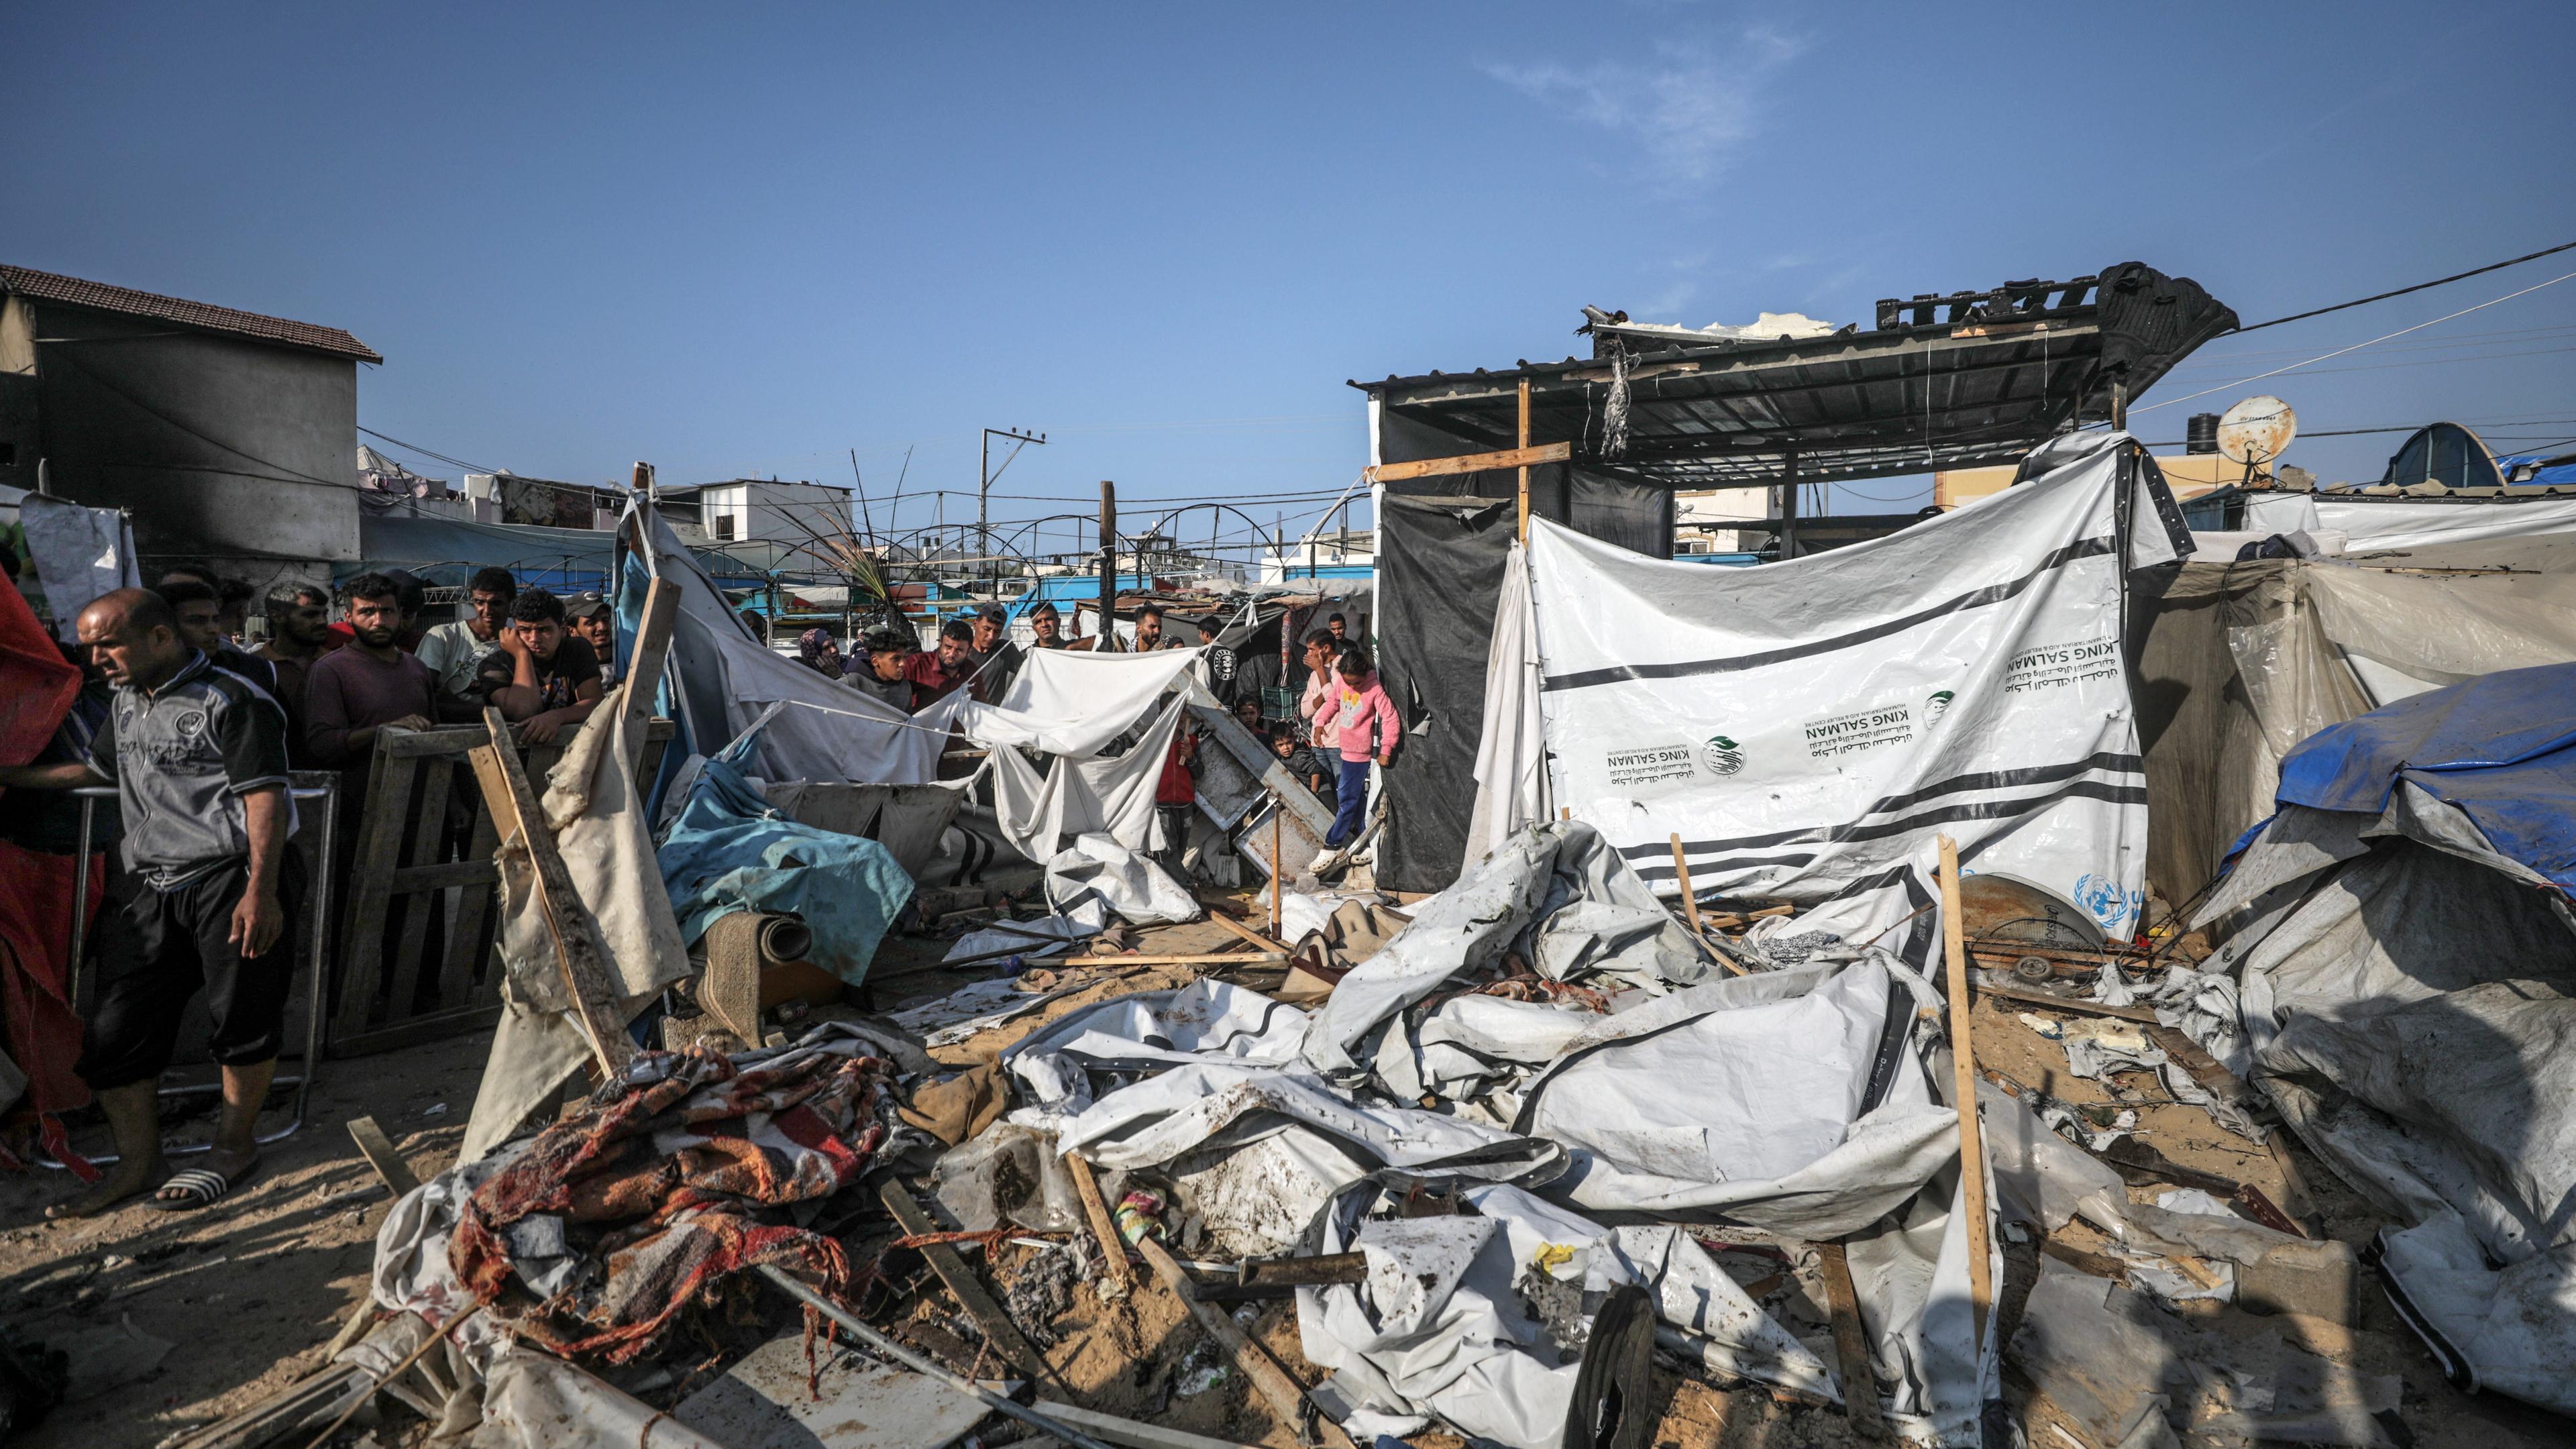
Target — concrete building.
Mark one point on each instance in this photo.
(760, 510)
(227, 436)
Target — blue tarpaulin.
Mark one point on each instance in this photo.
(2501, 748)
(729, 851)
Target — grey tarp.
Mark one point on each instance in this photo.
(2411, 998)
(2245, 660)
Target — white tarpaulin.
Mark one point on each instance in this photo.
(1511, 748)
(721, 679)
(1072, 704)
(2372, 525)
(1083, 796)
(1808, 727)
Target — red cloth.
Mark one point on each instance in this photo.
(1176, 787)
(665, 1174)
(37, 686)
(44, 1031)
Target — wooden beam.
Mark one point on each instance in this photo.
(2055, 1002)
(1287, 1400)
(1205, 958)
(1851, 1345)
(999, 1331)
(578, 952)
(1104, 1229)
(1523, 438)
(1963, 1068)
(1690, 908)
(1472, 463)
(652, 648)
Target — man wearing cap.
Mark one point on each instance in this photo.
(595, 624)
(1002, 658)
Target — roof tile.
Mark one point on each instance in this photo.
(50, 287)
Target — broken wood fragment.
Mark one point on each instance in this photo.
(968, 1289)
(1851, 1345)
(1113, 1249)
(381, 1155)
(1286, 1399)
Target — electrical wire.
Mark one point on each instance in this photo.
(428, 452)
(2356, 347)
(2418, 287)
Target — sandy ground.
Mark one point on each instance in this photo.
(247, 1293)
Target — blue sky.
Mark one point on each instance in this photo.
(750, 239)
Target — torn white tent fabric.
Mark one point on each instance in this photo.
(1112, 797)
(1148, 1032)
(1592, 912)
(1161, 1117)
(2370, 525)
(1511, 747)
(720, 680)
(1808, 1113)
(1072, 704)
(1808, 727)
(596, 812)
(1441, 1325)
(1096, 871)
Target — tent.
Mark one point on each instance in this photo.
(1806, 728)
(2407, 967)
(2245, 660)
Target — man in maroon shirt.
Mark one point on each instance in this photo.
(934, 675)
(372, 685)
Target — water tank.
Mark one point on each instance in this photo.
(2203, 434)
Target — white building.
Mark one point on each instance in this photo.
(760, 510)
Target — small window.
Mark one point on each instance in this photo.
(724, 525)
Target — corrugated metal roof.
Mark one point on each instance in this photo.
(53, 287)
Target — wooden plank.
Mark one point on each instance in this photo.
(652, 647)
(1104, 1229)
(371, 866)
(419, 907)
(445, 740)
(1203, 958)
(2061, 1003)
(447, 875)
(1287, 1400)
(999, 1331)
(1472, 463)
(467, 944)
(1523, 440)
(1690, 906)
(578, 953)
(1963, 1065)
(1246, 932)
(381, 1154)
(1851, 1345)
(1115, 1430)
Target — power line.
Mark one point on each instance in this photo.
(2418, 287)
(428, 452)
(2356, 347)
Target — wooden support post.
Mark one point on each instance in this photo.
(1113, 1249)
(1690, 912)
(1963, 1071)
(1789, 504)
(1523, 535)
(1287, 1400)
(971, 1295)
(1108, 642)
(1278, 869)
(1851, 1345)
(652, 649)
(578, 952)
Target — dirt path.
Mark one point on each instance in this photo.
(246, 1292)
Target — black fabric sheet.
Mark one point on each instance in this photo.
(1439, 567)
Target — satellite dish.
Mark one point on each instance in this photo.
(2257, 430)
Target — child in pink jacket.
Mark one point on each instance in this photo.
(1365, 726)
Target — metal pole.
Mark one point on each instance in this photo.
(1108, 568)
(1789, 504)
(80, 900)
(915, 1362)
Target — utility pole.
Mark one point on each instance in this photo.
(984, 476)
(1108, 568)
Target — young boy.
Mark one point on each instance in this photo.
(1306, 765)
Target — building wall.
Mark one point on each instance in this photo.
(220, 447)
(2189, 475)
(791, 514)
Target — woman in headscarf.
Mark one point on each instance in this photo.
(820, 651)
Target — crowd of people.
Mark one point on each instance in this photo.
(197, 733)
